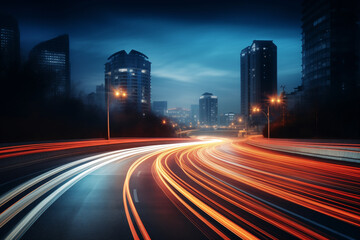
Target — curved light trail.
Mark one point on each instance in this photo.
(225, 187)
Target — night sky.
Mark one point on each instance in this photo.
(194, 47)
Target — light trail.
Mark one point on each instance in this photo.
(225, 187)
(129, 205)
(65, 180)
(19, 150)
(241, 177)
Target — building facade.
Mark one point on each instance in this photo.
(258, 64)
(51, 60)
(208, 109)
(227, 119)
(245, 80)
(159, 108)
(129, 73)
(9, 43)
(330, 47)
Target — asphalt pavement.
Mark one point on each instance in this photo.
(206, 188)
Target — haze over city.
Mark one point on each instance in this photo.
(193, 46)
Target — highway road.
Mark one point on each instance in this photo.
(202, 188)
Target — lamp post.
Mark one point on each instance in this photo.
(117, 93)
(267, 114)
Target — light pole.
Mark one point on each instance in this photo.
(267, 115)
(117, 93)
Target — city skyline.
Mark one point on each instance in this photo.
(182, 119)
(184, 52)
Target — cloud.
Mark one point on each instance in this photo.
(190, 73)
(188, 57)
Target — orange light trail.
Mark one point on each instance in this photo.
(230, 181)
(226, 187)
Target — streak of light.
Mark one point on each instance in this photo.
(65, 181)
(129, 205)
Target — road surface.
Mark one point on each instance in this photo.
(205, 188)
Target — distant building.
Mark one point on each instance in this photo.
(129, 74)
(194, 115)
(179, 115)
(159, 108)
(330, 47)
(227, 118)
(208, 109)
(51, 59)
(9, 43)
(258, 74)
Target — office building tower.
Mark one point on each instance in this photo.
(51, 60)
(245, 80)
(258, 74)
(330, 47)
(159, 108)
(9, 43)
(208, 109)
(129, 73)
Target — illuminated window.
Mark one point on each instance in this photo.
(122, 69)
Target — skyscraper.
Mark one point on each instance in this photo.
(51, 60)
(258, 74)
(9, 43)
(245, 80)
(208, 109)
(129, 73)
(159, 108)
(330, 37)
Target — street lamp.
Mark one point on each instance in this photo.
(273, 100)
(117, 93)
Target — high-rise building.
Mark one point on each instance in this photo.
(194, 115)
(208, 109)
(245, 80)
(159, 108)
(51, 60)
(258, 74)
(130, 74)
(9, 43)
(330, 57)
